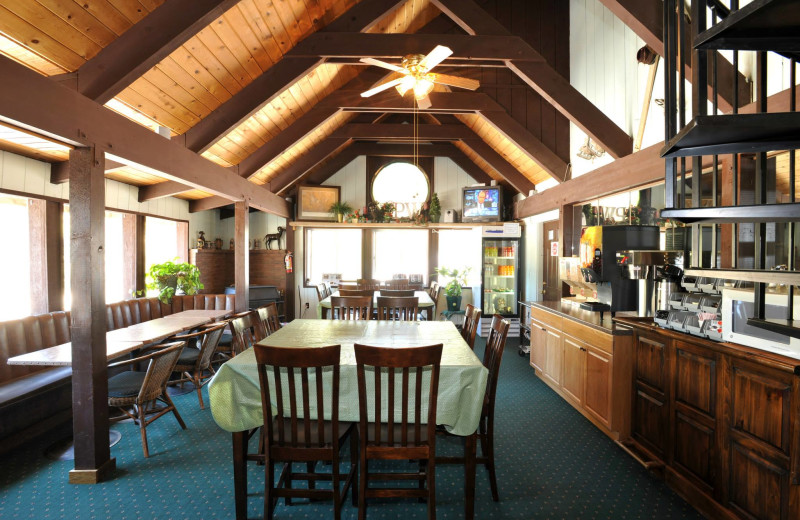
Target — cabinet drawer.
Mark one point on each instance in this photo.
(589, 335)
(547, 318)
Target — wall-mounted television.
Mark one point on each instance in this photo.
(482, 204)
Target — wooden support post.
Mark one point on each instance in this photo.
(241, 255)
(87, 263)
(54, 232)
(288, 297)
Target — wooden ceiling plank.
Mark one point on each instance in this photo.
(38, 41)
(107, 14)
(235, 38)
(236, 22)
(188, 81)
(163, 99)
(327, 169)
(500, 164)
(278, 78)
(49, 23)
(154, 111)
(133, 11)
(213, 64)
(145, 44)
(228, 56)
(255, 20)
(189, 100)
(544, 79)
(81, 20)
(646, 19)
(33, 101)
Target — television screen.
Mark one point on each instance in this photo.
(482, 204)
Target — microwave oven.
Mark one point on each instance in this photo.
(738, 306)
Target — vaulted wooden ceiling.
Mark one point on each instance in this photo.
(269, 90)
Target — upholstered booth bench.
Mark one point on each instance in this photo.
(34, 399)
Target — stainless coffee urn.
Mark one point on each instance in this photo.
(658, 273)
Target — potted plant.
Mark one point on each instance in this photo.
(340, 209)
(435, 209)
(170, 277)
(452, 289)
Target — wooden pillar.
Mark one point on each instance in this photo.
(241, 255)
(88, 328)
(54, 228)
(288, 297)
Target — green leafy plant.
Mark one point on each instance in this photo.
(457, 279)
(170, 277)
(340, 209)
(435, 209)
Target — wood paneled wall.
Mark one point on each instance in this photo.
(216, 269)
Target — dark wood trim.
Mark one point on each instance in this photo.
(297, 171)
(37, 255)
(54, 229)
(30, 100)
(289, 295)
(146, 43)
(384, 132)
(241, 255)
(88, 316)
(543, 78)
(513, 176)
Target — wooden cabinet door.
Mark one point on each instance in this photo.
(553, 356)
(649, 425)
(597, 390)
(573, 369)
(538, 346)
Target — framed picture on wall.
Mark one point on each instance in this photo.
(313, 202)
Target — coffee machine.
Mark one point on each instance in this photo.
(658, 275)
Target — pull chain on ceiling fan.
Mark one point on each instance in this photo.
(417, 76)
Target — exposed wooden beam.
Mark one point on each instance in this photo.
(59, 172)
(207, 203)
(385, 132)
(472, 169)
(520, 183)
(277, 79)
(297, 170)
(638, 169)
(34, 102)
(145, 44)
(324, 171)
(646, 19)
(544, 79)
(398, 45)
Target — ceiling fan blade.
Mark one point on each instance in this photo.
(455, 81)
(435, 57)
(379, 63)
(381, 87)
(424, 102)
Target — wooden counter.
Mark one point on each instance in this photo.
(721, 420)
(586, 361)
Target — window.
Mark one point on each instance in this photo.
(161, 243)
(332, 251)
(400, 251)
(460, 249)
(15, 258)
(403, 183)
(114, 259)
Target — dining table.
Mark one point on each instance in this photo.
(235, 391)
(127, 339)
(425, 303)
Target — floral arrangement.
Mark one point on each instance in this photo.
(381, 212)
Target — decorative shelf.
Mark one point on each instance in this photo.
(748, 275)
(786, 327)
(733, 214)
(763, 25)
(393, 225)
(735, 133)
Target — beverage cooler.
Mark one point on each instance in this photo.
(501, 276)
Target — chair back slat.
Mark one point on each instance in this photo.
(294, 425)
(425, 362)
(351, 307)
(397, 308)
(368, 284)
(401, 283)
(472, 316)
(405, 293)
(358, 292)
(247, 330)
(268, 314)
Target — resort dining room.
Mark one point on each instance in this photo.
(509, 259)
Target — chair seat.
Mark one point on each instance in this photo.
(189, 356)
(344, 428)
(125, 384)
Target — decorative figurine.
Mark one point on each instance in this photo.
(271, 237)
(231, 248)
(201, 239)
(217, 243)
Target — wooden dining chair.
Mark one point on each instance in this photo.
(368, 284)
(194, 363)
(298, 432)
(247, 330)
(357, 292)
(394, 308)
(433, 290)
(400, 283)
(349, 287)
(351, 307)
(322, 291)
(136, 394)
(268, 314)
(402, 293)
(397, 421)
(472, 316)
(492, 356)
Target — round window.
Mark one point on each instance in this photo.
(402, 183)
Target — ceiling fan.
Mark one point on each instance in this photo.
(417, 76)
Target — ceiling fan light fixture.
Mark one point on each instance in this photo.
(422, 88)
(406, 84)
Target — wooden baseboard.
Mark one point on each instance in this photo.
(700, 500)
(93, 476)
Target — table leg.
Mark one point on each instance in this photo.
(240, 473)
(469, 476)
(429, 310)
(324, 313)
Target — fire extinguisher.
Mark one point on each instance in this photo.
(287, 260)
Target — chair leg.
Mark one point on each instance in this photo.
(362, 485)
(431, 474)
(337, 497)
(489, 453)
(143, 429)
(269, 485)
(166, 397)
(196, 381)
(288, 482)
(354, 465)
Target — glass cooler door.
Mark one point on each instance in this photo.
(500, 277)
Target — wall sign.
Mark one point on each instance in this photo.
(553, 248)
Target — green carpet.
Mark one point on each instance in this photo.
(552, 463)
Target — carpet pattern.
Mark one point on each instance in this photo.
(552, 464)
